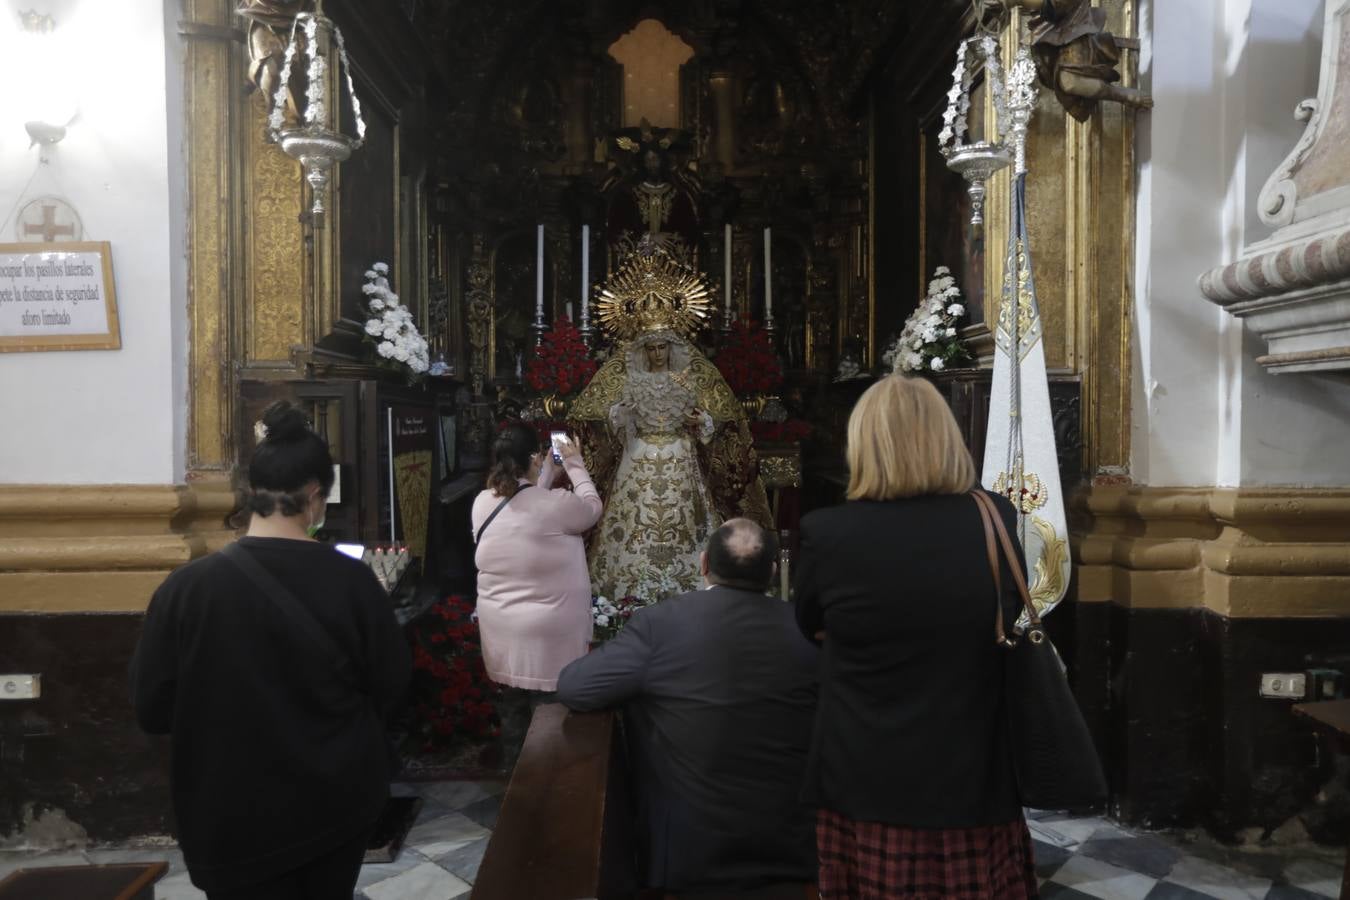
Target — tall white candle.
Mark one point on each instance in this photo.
(539, 275)
(585, 274)
(569, 311)
(768, 276)
(726, 263)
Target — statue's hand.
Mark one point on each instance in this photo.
(694, 418)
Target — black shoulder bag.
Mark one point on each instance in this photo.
(1054, 758)
(492, 515)
(291, 607)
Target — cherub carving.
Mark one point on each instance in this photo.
(1076, 57)
(269, 24)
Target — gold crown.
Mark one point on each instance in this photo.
(652, 290)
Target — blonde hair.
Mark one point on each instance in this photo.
(903, 442)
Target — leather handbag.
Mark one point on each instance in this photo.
(1055, 761)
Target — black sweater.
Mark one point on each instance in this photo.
(277, 758)
(910, 729)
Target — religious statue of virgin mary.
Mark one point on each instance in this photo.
(665, 438)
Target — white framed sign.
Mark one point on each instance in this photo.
(58, 296)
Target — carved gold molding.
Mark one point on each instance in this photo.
(1240, 552)
(102, 548)
(212, 75)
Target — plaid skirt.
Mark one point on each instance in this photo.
(873, 861)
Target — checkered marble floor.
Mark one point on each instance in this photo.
(1089, 857)
(1075, 858)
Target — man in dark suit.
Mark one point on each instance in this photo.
(718, 690)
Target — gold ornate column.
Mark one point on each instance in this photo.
(723, 82)
(212, 85)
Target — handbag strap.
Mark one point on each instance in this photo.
(991, 550)
(492, 515)
(287, 602)
(993, 521)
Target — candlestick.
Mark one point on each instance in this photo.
(586, 284)
(539, 325)
(726, 266)
(768, 281)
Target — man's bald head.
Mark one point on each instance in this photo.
(741, 554)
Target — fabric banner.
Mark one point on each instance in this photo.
(412, 442)
(1019, 455)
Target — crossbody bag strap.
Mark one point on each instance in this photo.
(492, 515)
(1014, 562)
(289, 604)
(991, 550)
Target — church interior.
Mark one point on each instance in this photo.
(263, 189)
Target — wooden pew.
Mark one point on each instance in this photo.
(1332, 717)
(565, 830)
(119, 881)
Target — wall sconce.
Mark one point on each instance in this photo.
(48, 101)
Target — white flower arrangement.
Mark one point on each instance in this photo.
(391, 326)
(929, 342)
(609, 616)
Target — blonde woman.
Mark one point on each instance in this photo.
(910, 768)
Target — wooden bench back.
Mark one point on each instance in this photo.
(552, 841)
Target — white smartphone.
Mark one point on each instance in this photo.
(556, 439)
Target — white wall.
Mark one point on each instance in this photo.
(1225, 76)
(113, 416)
(1181, 182)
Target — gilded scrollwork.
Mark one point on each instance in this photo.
(780, 470)
(1028, 322)
(478, 299)
(276, 240)
(1052, 566)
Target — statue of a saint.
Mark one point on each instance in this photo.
(648, 193)
(1076, 56)
(665, 438)
(269, 27)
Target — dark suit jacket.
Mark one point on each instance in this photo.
(718, 690)
(910, 729)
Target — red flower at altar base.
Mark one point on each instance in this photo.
(450, 694)
(747, 360)
(561, 365)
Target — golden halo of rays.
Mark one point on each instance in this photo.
(652, 291)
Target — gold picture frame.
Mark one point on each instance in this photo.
(12, 278)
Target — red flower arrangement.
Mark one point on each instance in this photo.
(450, 694)
(747, 360)
(561, 362)
(791, 430)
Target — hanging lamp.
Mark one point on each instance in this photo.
(976, 160)
(316, 140)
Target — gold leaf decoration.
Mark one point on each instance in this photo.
(1047, 587)
(652, 290)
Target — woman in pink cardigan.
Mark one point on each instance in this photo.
(534, 592)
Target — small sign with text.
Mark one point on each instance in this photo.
(58, 297)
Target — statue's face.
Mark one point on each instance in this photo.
(658, 355)
(652, 162)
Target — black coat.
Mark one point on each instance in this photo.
(910, 728)
(276, 759)
(718, 691)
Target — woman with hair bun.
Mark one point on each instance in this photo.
(273, 666)
(534, 591)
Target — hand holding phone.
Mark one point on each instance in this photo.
(556, 441)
